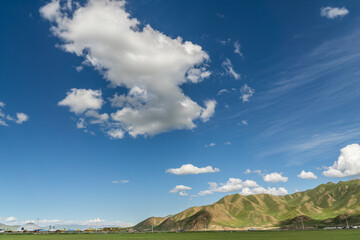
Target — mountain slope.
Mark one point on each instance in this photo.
(8, 227)
(236, 211)
(148, 223)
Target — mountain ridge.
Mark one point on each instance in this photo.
(326, 201)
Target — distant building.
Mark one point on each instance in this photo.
(29, 227)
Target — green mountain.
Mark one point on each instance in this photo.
(321, 205)
(8, 227)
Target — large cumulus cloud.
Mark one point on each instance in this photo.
(149, 64)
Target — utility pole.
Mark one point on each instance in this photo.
(152, 226)
(347, 224)
(302, 222)
(205, 223)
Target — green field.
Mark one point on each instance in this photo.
(296, 235)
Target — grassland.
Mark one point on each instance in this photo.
(283, 235)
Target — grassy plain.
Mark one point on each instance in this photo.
(283, 235)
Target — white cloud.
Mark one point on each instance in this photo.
(210, 145)
(247, 187)
(191, 169)
(51, 11)
(121, 181)
(246, 93)
(222, 91)
(348, 163)
(96, 220)
(80, 123)
(4, 118)
(333, 12)
(183, 193)
(275, 177)
(151, 65)
(80, 100)
(244, 122)
(96, 117)
(116, 133)
(48, 221)
(2, 122)
(219, 15)
(181, 189)
(196, 75)
(273, 191)
(225, 41)
(307, 175)
(8, 117)
(178, 188)
(229, 69)
(79, 68)
(232, 185)
(237, 48)
(209, 110)
(227, 143)
(21, 117)
(11, 219)
(205, 192)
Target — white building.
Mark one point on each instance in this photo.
(29, 227)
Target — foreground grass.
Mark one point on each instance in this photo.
(284, 235)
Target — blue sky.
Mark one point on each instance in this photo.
(107, 117)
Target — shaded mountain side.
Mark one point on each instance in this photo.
(343, 220)
(339, 221)
(194, 222)
(327, 201)
(297, 220)
(149, 223)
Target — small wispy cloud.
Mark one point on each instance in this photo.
(5, 118)
(237, 49)
(246, 93)
(333, 12)
(210, 145)
(229, 69)
(222, 91)
(219, 15)
(181, 190)
(224, 42)
(121, 181)
(79, 68)
(11, 219)
(247, 171)
(307, 146)
(244, 122)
